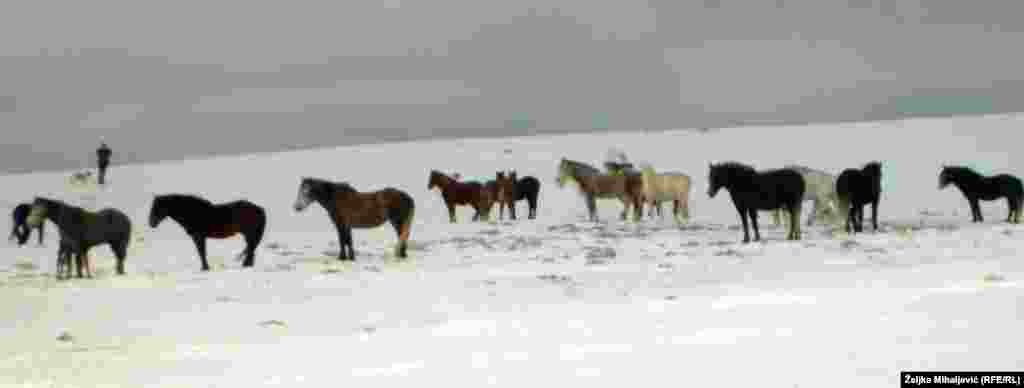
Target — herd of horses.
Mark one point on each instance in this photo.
(783, 190)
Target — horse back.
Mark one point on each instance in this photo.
(998, 186)
(526, 186)
(463, 192)
(775, 188)
(370, 209)
(607, 185)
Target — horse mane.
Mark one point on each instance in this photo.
(575, 164)
(873, 168)
(331, 186)
(179, 198)
(733, 165)
(58, 202)
(647, 168)
(961, 171)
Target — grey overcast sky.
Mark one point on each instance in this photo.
(165, 80)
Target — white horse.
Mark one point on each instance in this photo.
(667, 186)
(820, 188)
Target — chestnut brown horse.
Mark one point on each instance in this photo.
(202, 219)
(349, 209)
(457, 193)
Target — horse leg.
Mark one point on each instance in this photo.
(252, 240)
(349, 244)
(814, 212)
(78, 262)
(743, 221)
(532, 202)
(200, 242)
(638, 209)
(60, 261)
(342, 255)
(794, 221)
(1017, 212)
(975, 210)
(451, 212)
(676, 209)
(397, 222)
(88, 265)
(753, 222)
(592, 207)
(512, 209)
(120, 249)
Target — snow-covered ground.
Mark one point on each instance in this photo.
(549, 302)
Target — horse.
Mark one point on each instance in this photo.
(456, 193)
(753, 190)
(856, 188)
(349, 208)
(594, 185)
(976, 187)
(203, 219)
(667, 186)
(80, 230)
(511, 189)
(821, 189)
(20, 232)
(64, 253)
(488, 198)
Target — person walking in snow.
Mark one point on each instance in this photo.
(103, 161)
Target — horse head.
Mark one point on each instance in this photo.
(305, 194)
(157, 212)
(563, 173)
(715, 180)
(38, 213)
(435, 179)
(946, 176)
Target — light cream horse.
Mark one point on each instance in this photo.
(821, 189)
(667, 186)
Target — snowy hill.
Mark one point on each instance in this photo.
(545, 302)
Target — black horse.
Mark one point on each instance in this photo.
(349, 208)
(753, 190)
(856, 188)
(202, 219)
(80, 230)
(511, 189)
(21, 231)
(977, 187)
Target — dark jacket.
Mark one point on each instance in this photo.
(103, 155)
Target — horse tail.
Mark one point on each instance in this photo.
(404, 215)
(407, 224)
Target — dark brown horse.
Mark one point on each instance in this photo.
(80, 230)
(512, 189)
(457, 193)
(202, 219)
(349, 209)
